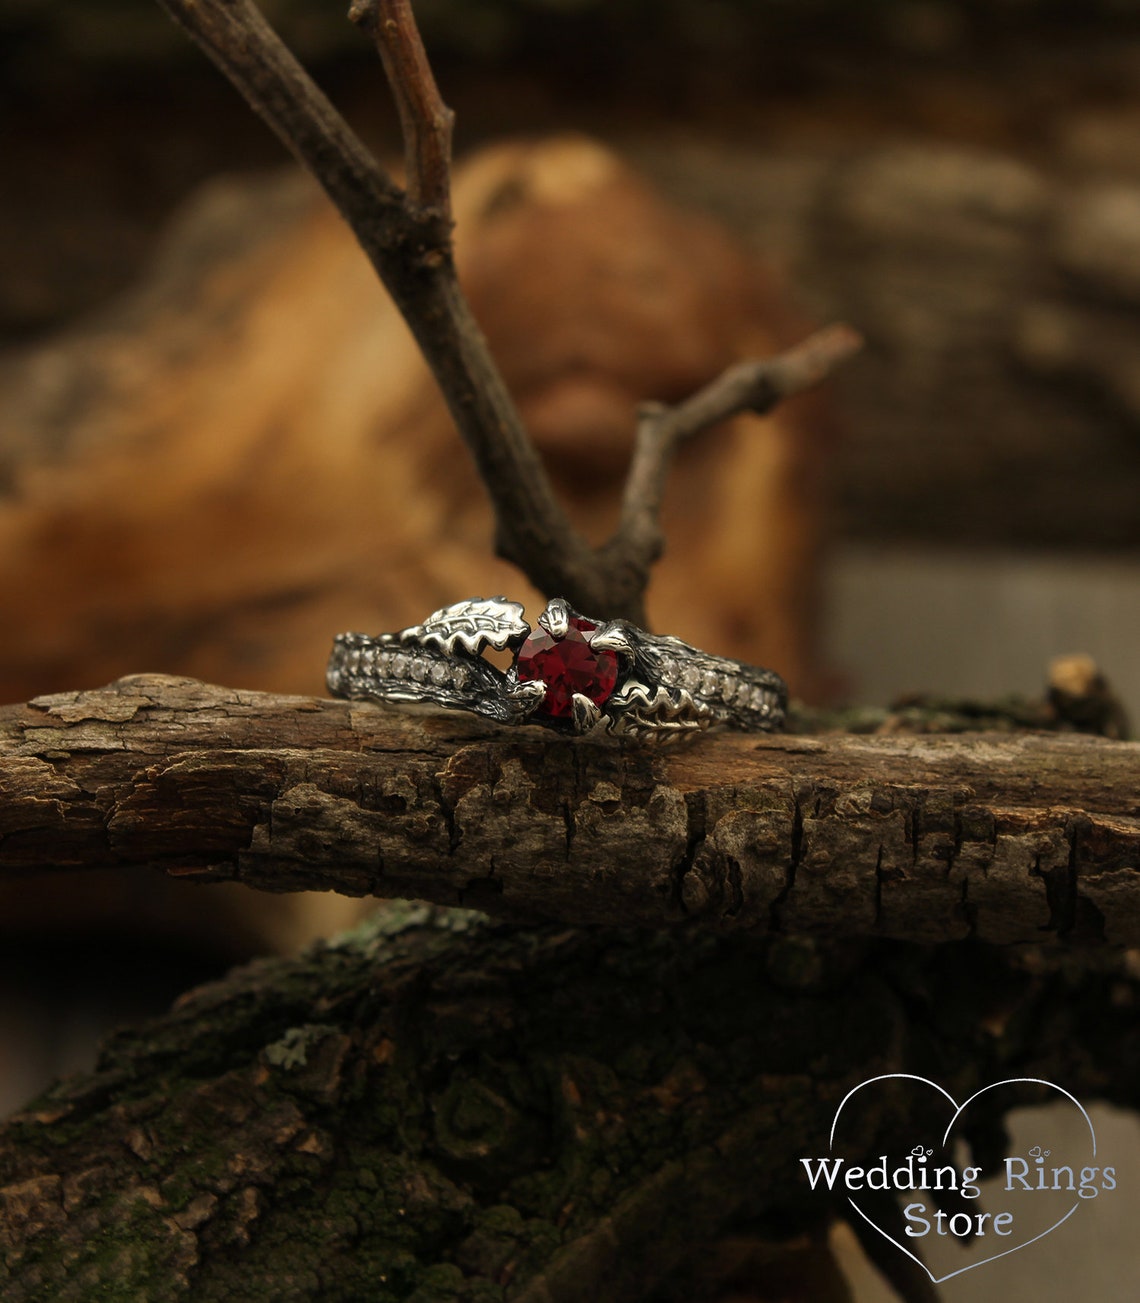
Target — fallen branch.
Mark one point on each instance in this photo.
(407, 237)
(1006, 837)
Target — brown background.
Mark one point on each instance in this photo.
(962, 182)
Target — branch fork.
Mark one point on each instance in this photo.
(406, 233)
(425, 120)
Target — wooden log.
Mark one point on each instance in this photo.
(1007, 838)
(437, 1108)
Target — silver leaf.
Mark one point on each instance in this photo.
(474, 624)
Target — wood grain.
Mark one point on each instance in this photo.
(1006, 838)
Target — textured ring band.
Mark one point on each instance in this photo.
(570, 673)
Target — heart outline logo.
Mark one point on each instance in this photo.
(958, 1111)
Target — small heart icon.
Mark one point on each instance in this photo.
(1033, 1203)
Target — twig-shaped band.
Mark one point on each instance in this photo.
(579, 676)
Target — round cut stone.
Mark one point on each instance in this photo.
(567, 665)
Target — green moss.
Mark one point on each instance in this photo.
(483, 1291)
(369, 938)
(443, 1283)
(292, 1050)
(129, 1255)
(501, 1220)
(429, 1115)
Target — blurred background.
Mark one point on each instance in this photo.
(960, 180)
(217, 445)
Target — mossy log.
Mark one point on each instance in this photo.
(436, 1107)
(1004, 838)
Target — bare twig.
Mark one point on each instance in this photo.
(425, 119)
(243, 45)
(407, 237)
(747, 387)
(410, 247)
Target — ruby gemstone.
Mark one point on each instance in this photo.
(567, 665)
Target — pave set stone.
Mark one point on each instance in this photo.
(731, 689)
(408, 667)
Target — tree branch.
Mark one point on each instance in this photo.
(410, 248)
(438, 1108)
(236, 37)
(425, 119)
(407, 238)
(747, 387)
(1007, 837)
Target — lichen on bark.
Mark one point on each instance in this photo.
(436, 1107)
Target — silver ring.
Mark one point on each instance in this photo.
(570, 673)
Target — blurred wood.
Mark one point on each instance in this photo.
(970, 210)
(999, 294)
(1007, 838)
(409, 244)
(249, 455)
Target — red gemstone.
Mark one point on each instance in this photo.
(567, 665)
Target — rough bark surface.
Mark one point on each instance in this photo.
(1006, 838)
(435, 1108)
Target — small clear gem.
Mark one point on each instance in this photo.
(710, 682)
(439, 674)
(690, 678)
(399, 665)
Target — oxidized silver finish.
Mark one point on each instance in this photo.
(665, 689)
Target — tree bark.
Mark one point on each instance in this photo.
(438, 1108)
(1005, 838)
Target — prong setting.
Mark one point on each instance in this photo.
(555, 619)
(584, 714)
(525, 697)
(613, 636)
